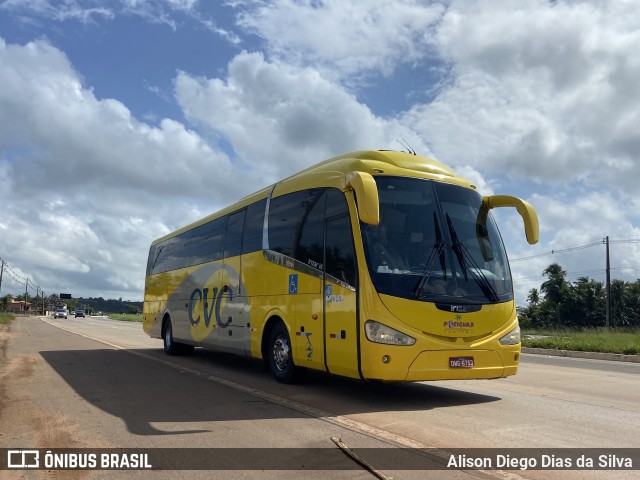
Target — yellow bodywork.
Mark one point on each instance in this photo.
(325, 320)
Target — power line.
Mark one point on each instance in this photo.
(557, 251)
(17, 277)
(630, 239)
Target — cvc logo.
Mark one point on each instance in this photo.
(209, 307)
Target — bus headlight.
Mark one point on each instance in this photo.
(379, 333)
(511, 338)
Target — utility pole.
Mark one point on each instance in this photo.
(608, 287)
(1, 272)
(26, 292)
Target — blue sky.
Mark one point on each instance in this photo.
(122, 120)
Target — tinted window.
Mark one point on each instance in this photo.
(206, 244)
(340, 258)
(336, 203)
(287, 216)
(198, 245)
(253, 226)
(233, 236)
(152, 258)
(311, 235)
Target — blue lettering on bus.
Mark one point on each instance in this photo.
(197, 292)
(209, 311)
(209, 304)
(228, 290)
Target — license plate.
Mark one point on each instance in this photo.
(461, 362)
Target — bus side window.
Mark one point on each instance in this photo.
(309, 240)
(339, 255)
(339, 252)
(288, 216)
(282, 223)
(253, 226)
(209, 246)
(233, 235)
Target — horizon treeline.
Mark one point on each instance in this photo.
(559, 303)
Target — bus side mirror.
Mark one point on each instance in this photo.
(366, 192)
(526, 211)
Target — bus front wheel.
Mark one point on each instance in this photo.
(281, 356)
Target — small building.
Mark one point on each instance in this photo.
(19, 306)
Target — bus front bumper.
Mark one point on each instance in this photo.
(463, 364)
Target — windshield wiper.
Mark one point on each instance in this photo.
(436, 251)
(461, 252)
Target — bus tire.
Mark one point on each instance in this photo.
(171, 347)
(280, 354)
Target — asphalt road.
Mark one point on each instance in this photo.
(97, 383)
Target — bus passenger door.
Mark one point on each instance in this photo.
(233, 315)
(340, 299)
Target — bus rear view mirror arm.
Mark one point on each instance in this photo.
(366, 192)
(525, 209)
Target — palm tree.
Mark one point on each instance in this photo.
(554, 287)
(618, 303)
(534, 297)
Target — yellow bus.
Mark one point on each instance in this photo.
(375, 265)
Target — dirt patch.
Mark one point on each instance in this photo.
(24, 423)
(4, 340)
(21, 367)
(4, 337)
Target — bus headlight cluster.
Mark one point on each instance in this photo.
(379, 333)
(511, 338)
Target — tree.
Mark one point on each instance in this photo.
(556, 292)
(590, 302)
(6, 300)
(581, 304)
(534, 297)
(554, 287)
(528, 316)
(619, 314)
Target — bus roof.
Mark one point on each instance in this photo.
(374, 162)
(332, 173)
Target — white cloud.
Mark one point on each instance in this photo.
(68, 10)
(61, 134)
(280, 118)
(341, 38)
(573, 227)
(164, 12)
(542, 90)
(86, 186)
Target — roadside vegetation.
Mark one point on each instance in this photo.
(563, 315)
(624, 341)
(126, 317)
(560, 304)
(6, 318)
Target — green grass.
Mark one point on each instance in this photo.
(626, 341)
(126, 317)
(6, 317)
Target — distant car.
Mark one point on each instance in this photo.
(79, 313)
(60, 313)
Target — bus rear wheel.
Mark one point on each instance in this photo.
(281, 356)
(171, 347)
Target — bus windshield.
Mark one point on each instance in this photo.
(435, 242)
